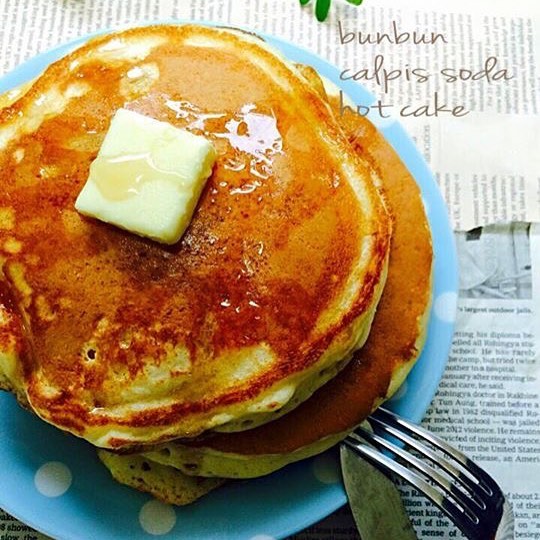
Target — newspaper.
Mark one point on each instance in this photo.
(463, 78)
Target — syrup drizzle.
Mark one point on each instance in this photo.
(254, 136)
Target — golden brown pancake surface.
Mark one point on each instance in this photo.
(395, 341)
(122, 340)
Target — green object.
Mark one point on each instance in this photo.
(322, 7)
(375, 501)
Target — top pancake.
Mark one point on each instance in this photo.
(124, 341)
(376, 371)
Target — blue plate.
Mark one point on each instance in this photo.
(55, 483)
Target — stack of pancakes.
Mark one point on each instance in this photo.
(294, 305)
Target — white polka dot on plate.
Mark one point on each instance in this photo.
(445, 307)
(157, 518)
(326, 469)
(262, 537)
(53, 479)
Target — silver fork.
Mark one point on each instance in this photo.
(461, 489)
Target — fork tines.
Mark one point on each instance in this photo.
(464, 491)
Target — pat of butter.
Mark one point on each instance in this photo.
(147, 177)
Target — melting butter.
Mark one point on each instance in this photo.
(124, 176)
(147, 177)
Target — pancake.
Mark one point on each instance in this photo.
(164, 483)
(376, 371)
(401, 319)
(125, 342)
